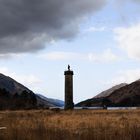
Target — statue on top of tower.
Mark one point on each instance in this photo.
(69, 67)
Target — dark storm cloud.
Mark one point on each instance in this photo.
(25, 25)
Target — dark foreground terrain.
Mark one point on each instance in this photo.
(70, 125)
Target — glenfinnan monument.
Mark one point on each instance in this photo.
(69, 89)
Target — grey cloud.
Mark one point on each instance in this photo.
(121, 2)
(25, 25)
(135, 0)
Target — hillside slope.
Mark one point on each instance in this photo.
(11, 85)
(54, 102)
(110, 90)
(14, 95)
(125, 96)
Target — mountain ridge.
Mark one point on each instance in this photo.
(14, 95)
(11, 85)
(125, 96)
(110, 90)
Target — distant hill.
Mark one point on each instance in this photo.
(53, 102)
(126, 95)
(14, 95)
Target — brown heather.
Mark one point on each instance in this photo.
(70, 125)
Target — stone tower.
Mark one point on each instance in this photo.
(69, 89)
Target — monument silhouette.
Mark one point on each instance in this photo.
(68, 89)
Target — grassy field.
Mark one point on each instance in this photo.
(70, 125)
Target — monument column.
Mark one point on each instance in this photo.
(68, 89)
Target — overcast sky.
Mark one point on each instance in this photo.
(99, 39)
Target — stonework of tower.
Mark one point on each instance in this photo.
(68, 89)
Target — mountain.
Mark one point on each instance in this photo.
(43, 103)
(22, 100)
(109, 91)
(54, 102)
(11, 85)
(14, 95)
(126, 95)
